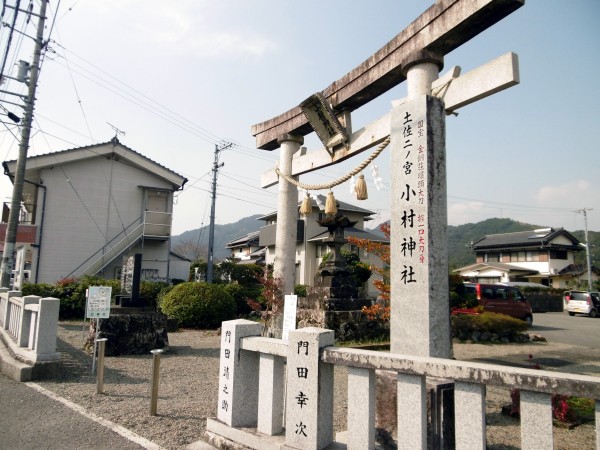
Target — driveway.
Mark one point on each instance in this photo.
(562, 328)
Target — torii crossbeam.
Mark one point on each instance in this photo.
(443, 27)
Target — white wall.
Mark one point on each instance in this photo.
(88, 202)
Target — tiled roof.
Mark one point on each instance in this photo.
(342, 206)
(524, 239)
(354, 232)
(248, 238)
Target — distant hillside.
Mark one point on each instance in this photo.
(459, 238)
(223, 235)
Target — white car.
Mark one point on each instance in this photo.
(583, 302)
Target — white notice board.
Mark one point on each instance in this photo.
(98, 302)
(289, 315)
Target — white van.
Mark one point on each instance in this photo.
(583, 302)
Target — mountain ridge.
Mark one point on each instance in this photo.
(460, 237)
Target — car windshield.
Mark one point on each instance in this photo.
(579, 296)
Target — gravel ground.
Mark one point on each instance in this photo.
(189, 385)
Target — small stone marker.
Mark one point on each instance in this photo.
(289, 315)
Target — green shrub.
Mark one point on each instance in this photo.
(198, 305)
(241, 294)
(41, 289)
(149, 291)
(300, 290)
(502, 326)
(71, 293)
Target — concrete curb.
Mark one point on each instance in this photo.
(13, 368)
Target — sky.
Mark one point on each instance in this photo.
(179, 78)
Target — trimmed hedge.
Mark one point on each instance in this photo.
(71, 293)
(494, 326)
(198, 305)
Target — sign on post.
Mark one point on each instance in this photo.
(98, 302)
(289, 315)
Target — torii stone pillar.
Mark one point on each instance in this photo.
(420, 323)
(286, 227)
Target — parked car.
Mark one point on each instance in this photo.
(500, 299)
(583, 302)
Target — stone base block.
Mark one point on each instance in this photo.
(133, 334)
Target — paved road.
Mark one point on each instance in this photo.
(562, 328)
(32, 420)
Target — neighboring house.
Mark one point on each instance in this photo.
(246, 249)
(179, 267)
(544, 256)
(310, 237)
(90, 206)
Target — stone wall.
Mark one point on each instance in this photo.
(133, 333)
(347, 325)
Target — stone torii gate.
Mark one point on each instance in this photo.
(416, 128)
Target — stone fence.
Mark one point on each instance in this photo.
(279, 395)
(28, 329)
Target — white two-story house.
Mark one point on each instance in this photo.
(544, 256)
(86, 208)
(310, 237)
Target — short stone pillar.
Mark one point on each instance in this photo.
(309, 398)
(46, 331)
(536, 414)
(238, 375)
(271, 394)
(27, 332)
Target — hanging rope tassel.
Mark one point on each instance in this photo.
(361, 188)
(306, 207)
(330, 207)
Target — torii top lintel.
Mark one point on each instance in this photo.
(442, 28)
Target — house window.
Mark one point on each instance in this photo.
(322, 250)
(558, 254)
(492, 257)
(533, 256)
(517, 256)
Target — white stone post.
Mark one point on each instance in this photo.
(361, 408)
(23, 339)
(412, 411)
(536, 421)
(238, 375)
(47, 326)
(7, 314)
(287, 223)
(309, 399)
(469, 401)
(271, 391)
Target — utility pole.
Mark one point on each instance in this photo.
(211, 234)
(8, 259)
(587, 246)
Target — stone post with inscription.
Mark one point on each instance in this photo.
(420, 323)
(309, 398)
(238, 375)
